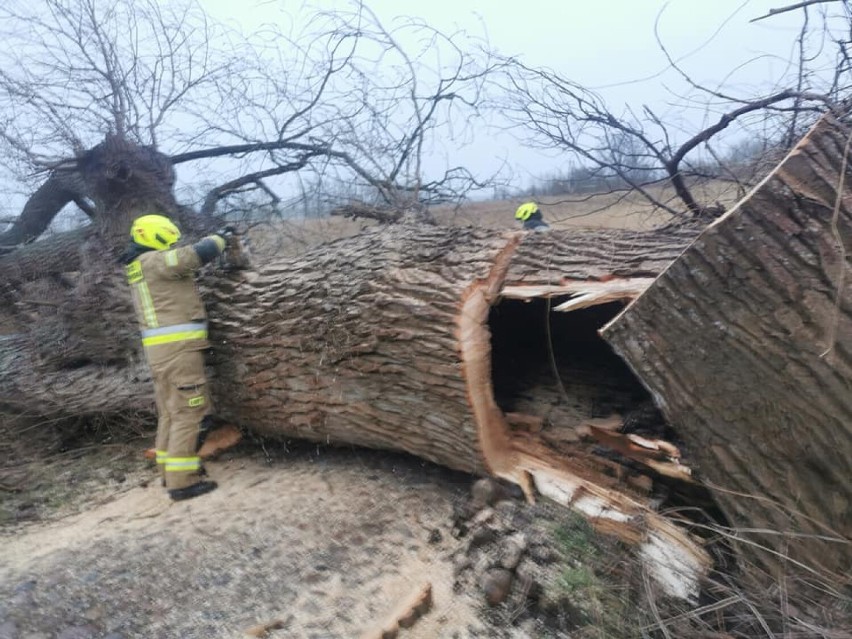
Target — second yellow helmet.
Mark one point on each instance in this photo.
(525, 211)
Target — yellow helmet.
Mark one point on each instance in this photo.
(154, 231)
(525, 211)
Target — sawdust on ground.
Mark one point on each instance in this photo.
(327, 541)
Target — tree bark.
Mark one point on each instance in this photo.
(374, 340)
(39, 211)
(365, 340)
(381, 340)
(745, 343)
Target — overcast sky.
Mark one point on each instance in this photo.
(608, 46)
(598, 43)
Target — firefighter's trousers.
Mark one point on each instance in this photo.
(182, 397)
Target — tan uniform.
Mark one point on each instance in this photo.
(174, 334)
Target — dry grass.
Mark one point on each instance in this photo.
(595, 211)
(632, 211)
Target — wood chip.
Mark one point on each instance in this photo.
(263, 629)
(659, 455)
(220, 440)
(522, 421)
(405, 615)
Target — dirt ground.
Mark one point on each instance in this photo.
(327, 541)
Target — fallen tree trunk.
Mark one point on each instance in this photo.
(380, 340)
(745, 342)
(480, 351)
(395, 339)
(383, 340)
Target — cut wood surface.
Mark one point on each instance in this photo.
(583, 294)
(746, 343)
(661, 456)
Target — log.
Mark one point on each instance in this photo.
(746, 344)
(406, 613)
(399, 338)
(383, 339)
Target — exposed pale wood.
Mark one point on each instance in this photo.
(603, 292)
(611, 423)
(264, 629)
(676, 560)
(584, 293)
(746, 343)
(220, 440)
(658, 455)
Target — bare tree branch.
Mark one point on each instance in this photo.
(792, 7)
(216, 194)
(637, 147)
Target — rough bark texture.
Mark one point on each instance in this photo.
(355, 343)
(380, 340)
(364, 341)
(360, 341)
(563, 256)
(39, 210)
(746, 343)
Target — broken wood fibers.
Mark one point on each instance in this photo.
(673, 557)
(746, 343)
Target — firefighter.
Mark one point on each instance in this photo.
(530, 215)
(173, 323)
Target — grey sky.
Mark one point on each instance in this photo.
(608, 46)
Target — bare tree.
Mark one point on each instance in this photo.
(403, 115)
(642, 150)
(87, 78)
(103, 101)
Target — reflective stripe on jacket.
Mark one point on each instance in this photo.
(182, 464)
(168, 307)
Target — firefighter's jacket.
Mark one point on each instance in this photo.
(168, 307)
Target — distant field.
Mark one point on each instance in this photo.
(608, 210)
(611, 211)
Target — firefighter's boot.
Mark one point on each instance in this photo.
(195, 490)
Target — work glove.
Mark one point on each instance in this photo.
(227, 232)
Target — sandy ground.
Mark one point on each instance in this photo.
(326, 540)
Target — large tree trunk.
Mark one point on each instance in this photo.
(379, 340)
(385, 340)
(745, 343)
